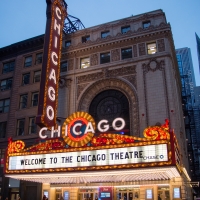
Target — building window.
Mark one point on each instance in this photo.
(38, 58)
(23, 101)
(28, 61)
(8, 67)
(2, 154)
(63, 67)
(34, 99)
(6, 84)
(125, 29)
(126, 53)
(36, 77)
(85, 38)
(3, 129)
(4, 105)
(20, 126)
(25, 79)
(151, 48)
(146, 24)
(32, 126)
(105, 57)
(85, 62)
(105, 34)
(68, 43)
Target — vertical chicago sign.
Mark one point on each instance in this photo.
(47, 108)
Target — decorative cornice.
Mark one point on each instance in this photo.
(135, 36)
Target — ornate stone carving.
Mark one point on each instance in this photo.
(131, 79)
(70, 64)
(161, 45)
(89, 77)
(106, 73)
(134, 50)
(63, 82)
(153, 65)
(115, 55)
(142, 49)
(94, 59)
(80, 88)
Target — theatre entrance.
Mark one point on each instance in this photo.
(88, 194)
(128, 194)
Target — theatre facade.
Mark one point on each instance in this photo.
(118, 131)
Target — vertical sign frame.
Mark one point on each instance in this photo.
(48, 98)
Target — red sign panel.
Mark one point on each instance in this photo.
(47, 108)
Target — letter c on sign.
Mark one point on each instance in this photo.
(58, 13)
(74, 129)
(54, 54)
(40, 133)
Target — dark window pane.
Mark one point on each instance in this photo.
(6, 84)
(20, 126)
(125, 29)
(4, 105)
(3, 129)
(26, 79)
(28, 61)
(127, 53)
(85, 38)
(38, 58)
(146, 24)
(37, 75)
(35, 99)
(105, 34)
(67, 43)
(23, 101)
(32, 126)
(8, 67)
(63, 67)
(104, 58)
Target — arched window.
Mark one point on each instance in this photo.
(109, 105)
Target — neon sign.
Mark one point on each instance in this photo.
(47, 107)
(79, 128)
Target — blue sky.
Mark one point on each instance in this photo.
(23, 19)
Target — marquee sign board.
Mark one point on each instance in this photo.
(47, 107)
(80, 148)
(101, 157)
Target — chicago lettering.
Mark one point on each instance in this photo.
(91, 158)
(51, 93)
(102, 126)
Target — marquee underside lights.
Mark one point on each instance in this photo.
(132, 176)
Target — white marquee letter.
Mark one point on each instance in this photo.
(57, 26)
(114, 124)
(51, 93)
(58, 13)
(89, 128)
(74, 129)
(50, 117)
(105, 127)
(53, 75)
(40, 133)
(54, 54)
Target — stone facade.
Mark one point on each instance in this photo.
(150, 82)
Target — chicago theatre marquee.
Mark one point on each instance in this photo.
(110, 114)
